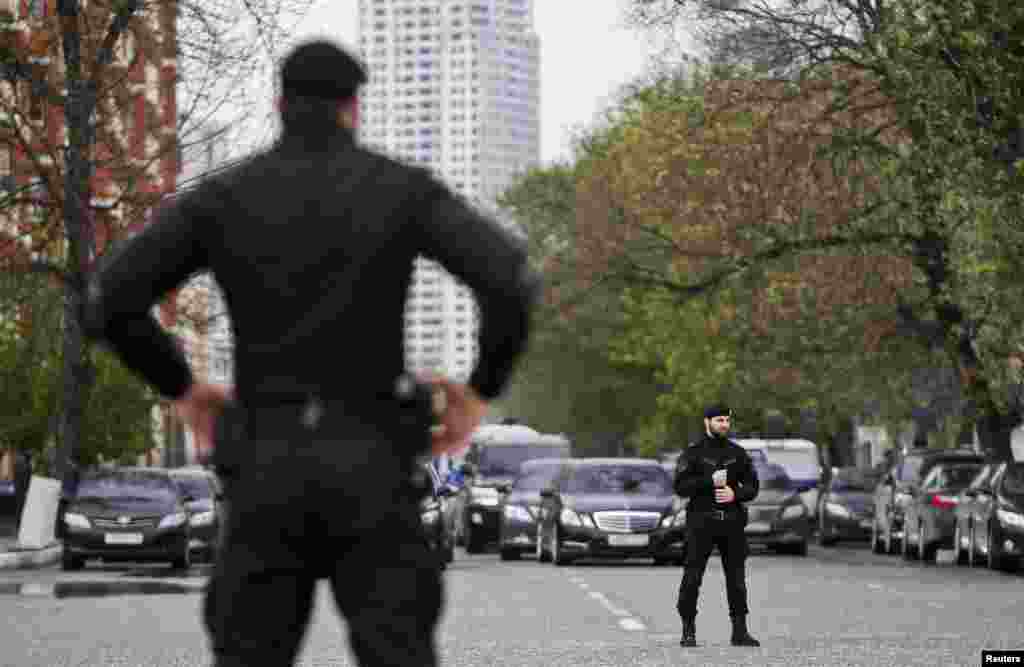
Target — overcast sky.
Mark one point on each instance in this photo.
(586, 54)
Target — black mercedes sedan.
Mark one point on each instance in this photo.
(610, 508)
(846, 505)
(126, 514)
(777, 517)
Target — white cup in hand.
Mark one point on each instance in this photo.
(719, 478)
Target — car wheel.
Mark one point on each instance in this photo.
(996, 558)
(890, 539)
(70, 563)
(557, 557)
(798, 549)
(924, 549)
(876, 538)
(972, 551)
(510, 554)
(184, 561)
(474, 544)
(908, 553)
(542, 554)
(825, 539)
(958, 546)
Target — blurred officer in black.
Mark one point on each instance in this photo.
(313, 243)
(717, 475)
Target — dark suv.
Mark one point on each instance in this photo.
(126, 514)
(898, 487)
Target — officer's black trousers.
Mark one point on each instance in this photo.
(703, 533)
(336, 502)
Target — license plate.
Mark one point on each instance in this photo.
(629, 540)
(866, 523)
(758, 527)
(123, 538)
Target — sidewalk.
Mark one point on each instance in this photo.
(13, 558)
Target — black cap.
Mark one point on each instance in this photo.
(717, 410)
(323, 70)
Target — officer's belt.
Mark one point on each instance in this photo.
(720, 515)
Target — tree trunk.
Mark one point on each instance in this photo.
(994, 431)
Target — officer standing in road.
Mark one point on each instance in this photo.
(717, 475)
(313, 243)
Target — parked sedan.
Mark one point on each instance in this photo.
(204, 503)
(898, 487)
(929, 519)
(126, 514)
(777, 517)
(520, 507)
(990, 518)
(846, 506)
(610, 508)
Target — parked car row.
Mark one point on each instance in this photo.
(930, 500)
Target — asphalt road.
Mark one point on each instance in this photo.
(840, 606)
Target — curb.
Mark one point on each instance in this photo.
(30, 558)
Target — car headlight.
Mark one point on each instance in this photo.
(201, 519)
(173, 520)
(837, 510)
(484, 496)
(677, 519)
(76, 520)
(793, 511)
(1010, 518)
(571, 518)
(431, 516)
(517, 513)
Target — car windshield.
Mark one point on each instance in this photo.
(648, 480)
(536, 478)
(504, 460)
(771, 476)
(853, 481)
(799, 464)
(1013, 480)
(126, 485)
(195, 486)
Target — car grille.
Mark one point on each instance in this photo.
(135, 522)
(764, 512)
(627, 522)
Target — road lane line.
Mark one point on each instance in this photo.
(37, 589)
(631, 625)
(607, 604)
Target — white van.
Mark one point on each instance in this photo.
(801, 459)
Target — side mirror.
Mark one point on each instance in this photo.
(188, 499)
(547, 493)
(504, 488)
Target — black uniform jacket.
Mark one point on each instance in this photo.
(700, 460)
(313, 243)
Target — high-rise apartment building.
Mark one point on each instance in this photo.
(454, 87)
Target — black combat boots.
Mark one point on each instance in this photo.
(740, 635)
(689, 633)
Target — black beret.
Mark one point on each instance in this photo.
(717, 410)
(323, 70)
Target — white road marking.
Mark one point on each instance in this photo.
(37, 589)
(632, 625)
